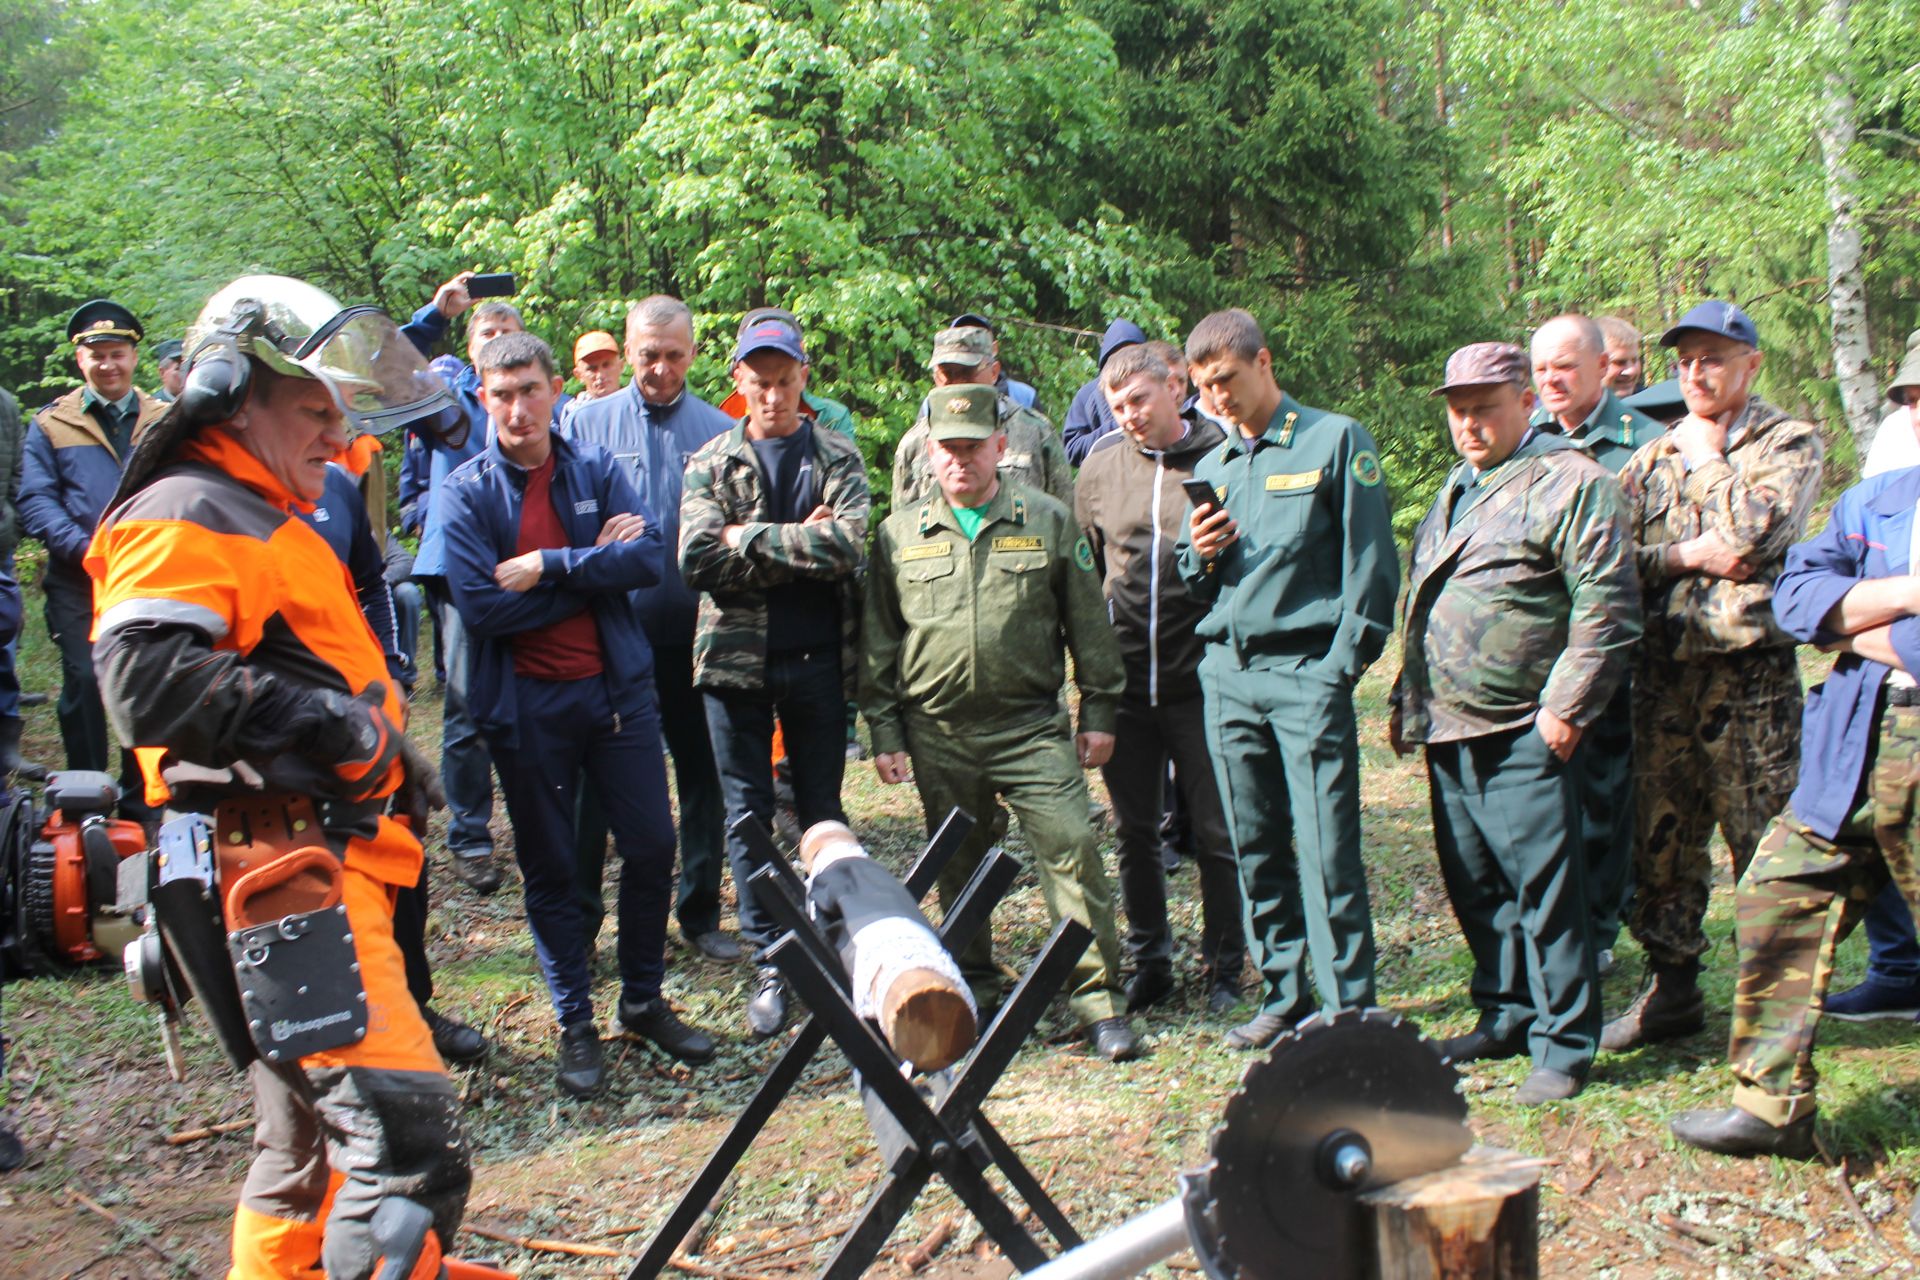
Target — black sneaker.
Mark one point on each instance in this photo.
(1147, 988)
(655, 1020)
(582, 1068)
(456, 1042)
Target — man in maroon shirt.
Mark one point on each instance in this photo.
(545, 542)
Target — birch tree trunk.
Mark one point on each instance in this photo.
(1846, 280)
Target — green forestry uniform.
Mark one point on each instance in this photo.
(1610, 435)
(962, 668)
(1302, 603)
(1523, 596)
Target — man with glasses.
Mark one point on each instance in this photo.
(1716, 503)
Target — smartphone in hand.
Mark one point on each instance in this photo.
(1200, 493)
(494, 284)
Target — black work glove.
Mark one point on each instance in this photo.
(357, 740)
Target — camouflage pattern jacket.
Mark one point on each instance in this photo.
(1528, 600)
(1757, 499)
(725, 486)
(1033, 458)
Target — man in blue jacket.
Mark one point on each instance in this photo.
(651, 428)
(75, 449)
(463, 756)
(1088, 417)
(545, 542)
(1848, 827)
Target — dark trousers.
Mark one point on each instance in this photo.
(1146, 738)
(1892, 952)
(1507, 828)
(565, 728)
(804, 690)
(407, 599)
(465, 768)
(1604, 774)
(703, 812)
(83, 721)
(410, 907)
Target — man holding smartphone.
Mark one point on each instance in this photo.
(1298, 562)
(1716, 503)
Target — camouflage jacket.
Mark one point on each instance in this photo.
(1757, 499)
(1528, 600)
(1033, 458)
(725, 486)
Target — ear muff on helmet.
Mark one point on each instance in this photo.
(218, 372)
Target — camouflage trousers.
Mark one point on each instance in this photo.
(1800, 898)
(1716, 742)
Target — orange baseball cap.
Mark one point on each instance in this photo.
(593, 343)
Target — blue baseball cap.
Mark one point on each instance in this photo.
(1722, 318)
(770, 333)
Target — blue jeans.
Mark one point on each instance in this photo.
(565, 728)
(804, 690)
(465, 768)
(1893, 954)
(407, 599)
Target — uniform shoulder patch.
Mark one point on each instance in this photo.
(1083, 554)
(1366, 468)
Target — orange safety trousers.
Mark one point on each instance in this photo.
(343, 1130)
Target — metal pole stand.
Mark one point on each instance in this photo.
(948, 1137)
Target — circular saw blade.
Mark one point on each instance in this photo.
(1276, 1207)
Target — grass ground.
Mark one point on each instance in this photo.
(86, 1087)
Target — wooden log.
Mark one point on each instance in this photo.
(1479, 1220)
(923, 1013)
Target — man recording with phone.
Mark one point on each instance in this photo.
(1716, 503)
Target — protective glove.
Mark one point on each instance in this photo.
(420, 791)
(358, 741)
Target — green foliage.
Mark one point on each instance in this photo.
(1379, 182)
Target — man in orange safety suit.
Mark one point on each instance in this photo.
(234, 659)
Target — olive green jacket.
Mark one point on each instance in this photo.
(1525, 599)
(972, 635)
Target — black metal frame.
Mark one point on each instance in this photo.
(948, 1137)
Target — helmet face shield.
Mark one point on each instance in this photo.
(376, 376)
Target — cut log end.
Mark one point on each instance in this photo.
(1478, 1220)
(821, 836)
(927, 1020)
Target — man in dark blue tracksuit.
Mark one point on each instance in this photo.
(651, 428)
(463, 756)
(545, 542)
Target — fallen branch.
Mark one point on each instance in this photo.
(139, 1233)
(536, 1245)
(1704, 1234)
(185, 1136)
(1841, 1175)
(681, 1262)
(832, 1233)
(920, 1256)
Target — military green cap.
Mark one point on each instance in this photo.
(963, 413)
(969, 346)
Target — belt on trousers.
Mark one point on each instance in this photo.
(1902, 695)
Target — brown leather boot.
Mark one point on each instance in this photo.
(1668, 1007)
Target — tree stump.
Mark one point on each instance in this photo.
(1478, 1220)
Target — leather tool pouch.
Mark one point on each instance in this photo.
(292, 949)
